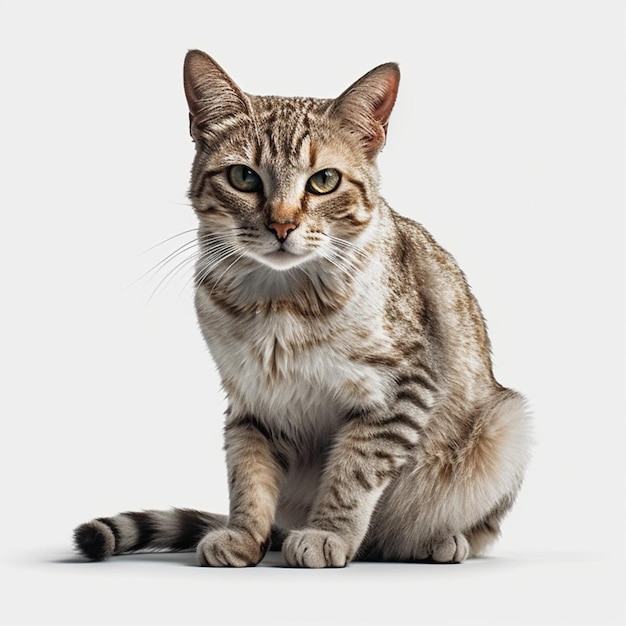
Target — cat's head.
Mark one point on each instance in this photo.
(279, 180)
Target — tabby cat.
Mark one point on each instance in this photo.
(364, 420)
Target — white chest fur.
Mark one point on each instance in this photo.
(297, 373)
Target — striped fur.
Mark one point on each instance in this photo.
(364, 420)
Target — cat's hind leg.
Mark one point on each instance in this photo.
(174, 530)
(450, 504)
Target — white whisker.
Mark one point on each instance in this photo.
(208, 262)
(156, 245)
(347, 245)
(349, 267)
(153, 271)
(207, 247)
(336, 261)
(173, 273)
(219, 278)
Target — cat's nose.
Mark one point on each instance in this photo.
(282, 230)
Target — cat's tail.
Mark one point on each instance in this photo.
(173, 531)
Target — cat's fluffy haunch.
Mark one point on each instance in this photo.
(364, 421)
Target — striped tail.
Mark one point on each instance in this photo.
(174, 531)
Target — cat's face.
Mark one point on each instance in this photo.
(285, 189)
(283, 181)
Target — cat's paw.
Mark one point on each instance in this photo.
(230, 547)
(451, 549)
(315, 548)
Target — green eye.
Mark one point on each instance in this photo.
(243, 178)
(324, 181)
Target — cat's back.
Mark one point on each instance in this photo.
(430, 298)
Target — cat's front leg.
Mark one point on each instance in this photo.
(368, 451)
(254, 475)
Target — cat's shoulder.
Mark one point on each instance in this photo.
(412, 238)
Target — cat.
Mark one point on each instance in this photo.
(364, 420)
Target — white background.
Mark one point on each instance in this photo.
(507, 143)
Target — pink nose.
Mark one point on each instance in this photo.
(281, 230)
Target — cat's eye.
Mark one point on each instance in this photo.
(324, 181)
(245, 179)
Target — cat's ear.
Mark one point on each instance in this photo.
(211, 93)
(366, 105)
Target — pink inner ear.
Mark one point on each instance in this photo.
(367, 104)
(388, 94)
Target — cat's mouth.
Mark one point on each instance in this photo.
(282, 259)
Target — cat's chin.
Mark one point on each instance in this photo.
(281, 260)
